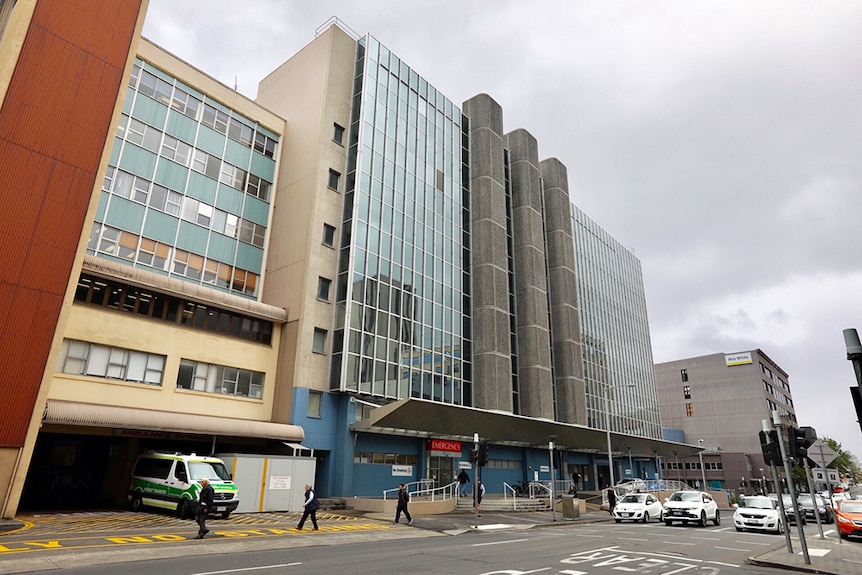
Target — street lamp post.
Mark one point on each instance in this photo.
(631, 466)
(700, 443)
(606, 388)
(553, 498)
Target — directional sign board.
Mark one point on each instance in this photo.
(821, 453)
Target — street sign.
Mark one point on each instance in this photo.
(821, 453)
(465, 465)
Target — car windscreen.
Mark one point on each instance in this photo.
(633, 499)
(757, 503)
(210, 470)
(851, 506)
(685, 496)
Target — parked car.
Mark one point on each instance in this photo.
(760, 513)
(631, 485)
(638, 507)
(848, 515)
(691, 506)
(808, 504)
(787, 501)
(836, 497)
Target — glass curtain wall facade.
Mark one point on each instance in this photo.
(614, 332)
(187, 188)
(402, 328)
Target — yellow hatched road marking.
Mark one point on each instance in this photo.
(95, 541)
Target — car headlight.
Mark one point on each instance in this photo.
(842, 519)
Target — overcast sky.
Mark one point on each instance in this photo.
(721, 141)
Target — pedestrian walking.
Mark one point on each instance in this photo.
(311, 505)
(403, 500)
(612, 500)
(463, 480)
(480, 491)
(205, 503)
(576, 479)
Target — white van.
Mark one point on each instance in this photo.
(172, 481)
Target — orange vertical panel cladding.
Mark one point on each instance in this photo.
(54, 125)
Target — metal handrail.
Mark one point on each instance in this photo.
(425, 488)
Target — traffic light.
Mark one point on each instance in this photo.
(769, 447)
(857, 401)
(482, 456)
(472, 456)
(800, 440)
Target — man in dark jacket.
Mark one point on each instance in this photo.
(463, 480)
(403, 500)
(311, 505)
(205, 504)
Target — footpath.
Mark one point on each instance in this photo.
(829, 556)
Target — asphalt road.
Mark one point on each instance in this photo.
(266, 544)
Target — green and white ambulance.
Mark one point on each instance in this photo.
(172, 481)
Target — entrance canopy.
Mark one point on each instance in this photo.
(427, 418)
(92, 415)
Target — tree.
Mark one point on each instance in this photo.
(846, 463)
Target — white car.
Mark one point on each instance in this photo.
(691, 507)
(638, 507)
(760, 513)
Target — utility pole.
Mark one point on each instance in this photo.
(776, 420)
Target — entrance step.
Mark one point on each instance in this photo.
(500, 504)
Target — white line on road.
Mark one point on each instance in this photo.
(753, 543)
(498, 542)
(706, 538)
(679, 543)
(249, 569)
(732, 548)
(632, 539)
(724, 564)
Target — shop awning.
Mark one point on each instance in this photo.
(412, 416)
(92, 415)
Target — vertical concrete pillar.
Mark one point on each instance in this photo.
(565, 324)
(535, 377)
(492, 368)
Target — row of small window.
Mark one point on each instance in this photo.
(780, 396)
(141, 250)
(158, 197)
(693, 466)
(768, 373)
(180, 152)
(125, 298)
(158, 89)
(109, 362)
(220, 379)
(383, 458)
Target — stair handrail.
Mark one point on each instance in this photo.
(425, 488)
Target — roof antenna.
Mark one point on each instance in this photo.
(234, 83)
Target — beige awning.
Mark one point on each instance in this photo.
(92, 415)
(409, 416)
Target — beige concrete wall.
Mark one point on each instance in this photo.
(312, 91)
(417, 507)
(90, 324)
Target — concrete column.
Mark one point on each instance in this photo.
(531, 296)
(492, 372)
(565, 324)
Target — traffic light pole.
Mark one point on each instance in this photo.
(813, 495)
(780, 492)
(776, 419)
